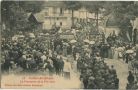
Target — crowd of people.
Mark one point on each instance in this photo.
(132, 84)
(95, 74)
(128, 53)
(32, 55)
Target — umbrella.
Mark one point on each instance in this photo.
(73, 41)
(77, 30)
(120, 49)
(47, 34)
(12, 62)
(21, 36)
(86, 46)
(86, 40)
(92, 42)
(14, 38)
(65, 44)
(41, 34)
(31, 35)
(91, 78)
(129, 51)
(38, 53)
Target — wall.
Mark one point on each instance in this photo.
(51, 18)
(56, 18)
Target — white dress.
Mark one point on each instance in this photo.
(116, 54)
(67, 66)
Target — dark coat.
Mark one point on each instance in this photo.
(130, 78)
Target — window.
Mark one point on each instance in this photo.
(80, 19)
(61, 11)
(60, 23)
(54, 10)
(46, 11)
(19, 19)
(77, 20)
(83, 20)
(69, 11)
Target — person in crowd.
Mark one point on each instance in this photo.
(116, 82)
(85, 79)
(74, 63)
(28, 63)
(61, 66)
(65, 49)
(56, 64)
(116, 53)
(79, 65)
(74, 50)
(13, 67)
(58, 49)
(130, 78)
(43, 57)
(67, 69)
(133, 86)
(50, 68)
(112, 70)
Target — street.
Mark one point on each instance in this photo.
(122, 71)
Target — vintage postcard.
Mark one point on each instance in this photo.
(69, 44)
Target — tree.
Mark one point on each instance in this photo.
(94, 7)
(14, 14)
(32, 6)
(123, 12)
(72, 5)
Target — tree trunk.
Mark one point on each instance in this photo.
(130, 33)
(95, 18)
(97, 24)
(72, 18)
(135, 36)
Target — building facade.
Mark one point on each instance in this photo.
(55, 13)
(56, 16)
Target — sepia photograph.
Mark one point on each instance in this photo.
(69, 44)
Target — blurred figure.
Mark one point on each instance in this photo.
(67, 69)
(130, 78)
(112, 70)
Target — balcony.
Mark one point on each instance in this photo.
(58, 15)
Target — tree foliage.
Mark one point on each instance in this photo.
(72, 5)
(32, 6)
(14, 14)
(94, 7)
(123, 13)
